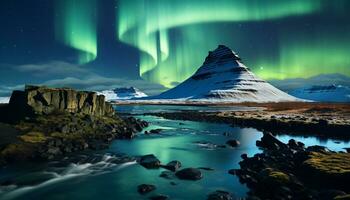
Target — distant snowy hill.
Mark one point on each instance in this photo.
(122, 94)
(4, 99)
(289, 85)
(328, 93)
(223, 77)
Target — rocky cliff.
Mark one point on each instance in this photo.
(44, 100)
(42, 123)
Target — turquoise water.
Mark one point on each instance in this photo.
(103, 178)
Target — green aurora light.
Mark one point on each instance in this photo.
(174, 37)
(76, 27)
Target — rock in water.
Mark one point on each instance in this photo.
(233, 143)
(149, 161)
(43, 100)
(223, 77)
(145, 188)
(159, 197)
(189, 174)
(173, 165)
(220, 195)
(270, 142)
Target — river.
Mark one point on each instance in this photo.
(113, 174)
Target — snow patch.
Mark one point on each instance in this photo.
(4, 99)
(122, 94)
(324, 93)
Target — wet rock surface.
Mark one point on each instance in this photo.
(149, 161)
(208, 145)
(233, 143)
(172, 165)
(159, 197)
(220, 195)
(145, 188)
(289, 171)
(155, 131)
(136, 125)
(167, 175)
(189, 174)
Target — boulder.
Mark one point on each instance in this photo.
(233, 143)
(220, 195)
(159, 197)
(189, 174)
(155, 131)
(167, 175)
(172, 165)
(149, 161)
(244, 156)
(145, 188)
(342, 197)
(269, 141)
(330, 194)
(317, 148)
(206, 168)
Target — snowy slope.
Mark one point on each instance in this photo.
(223, 77)
(4, 99)
(328, 93)
(122, 94)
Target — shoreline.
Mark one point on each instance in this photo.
(248, 104)
(293, 171)
(320, 119)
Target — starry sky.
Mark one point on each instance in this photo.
(155, 44)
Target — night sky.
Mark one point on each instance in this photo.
(154, 44)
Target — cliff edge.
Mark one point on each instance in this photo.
(44, 100)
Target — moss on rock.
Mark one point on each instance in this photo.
(33, 137)
(271, 176)
(332, 164)
(16, 152)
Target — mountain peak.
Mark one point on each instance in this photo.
(222, 77)
(221, 53)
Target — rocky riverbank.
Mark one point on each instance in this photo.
(51, 123)
(291, 171)
(328, 120)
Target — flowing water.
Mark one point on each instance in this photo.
(114, 174)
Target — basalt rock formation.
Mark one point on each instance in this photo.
(43, 100)
(50, 123)
(292, 171)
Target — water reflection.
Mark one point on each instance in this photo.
(177, 141)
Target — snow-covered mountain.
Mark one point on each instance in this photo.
(122, 94)
(4, 99)
(328, 93)
(223, 77)
(289, 85)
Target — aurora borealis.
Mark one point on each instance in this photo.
(165, 41)
(76, 26)
(174, 37)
